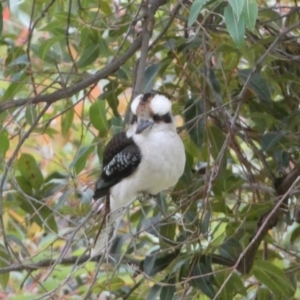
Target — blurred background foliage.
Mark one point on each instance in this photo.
(231, 69)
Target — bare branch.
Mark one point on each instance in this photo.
(64, 93)
(9, 163)
(261, 60)
(268, 221)
(92, 79)
(46, 263)
(148, 24)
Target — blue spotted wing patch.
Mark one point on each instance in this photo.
(121, 162)
(122, 165)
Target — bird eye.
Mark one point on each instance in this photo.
(156, 118)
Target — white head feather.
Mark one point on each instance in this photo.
(160, 105)
(135, 103)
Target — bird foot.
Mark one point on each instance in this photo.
(146, 197)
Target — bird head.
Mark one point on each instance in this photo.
(150, 109)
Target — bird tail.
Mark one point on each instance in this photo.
(107, 231)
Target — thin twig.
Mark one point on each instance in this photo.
(70, 91)
(245, 261)
(148, 24)
(46, 263)
(260, 61)
(9, 163)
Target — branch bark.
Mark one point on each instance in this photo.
(72, 90)
(46, 263)
(268, 221)
(92, 79)
(148, 24)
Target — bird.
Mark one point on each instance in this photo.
(147, 158)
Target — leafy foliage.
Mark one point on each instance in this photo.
(230, 228)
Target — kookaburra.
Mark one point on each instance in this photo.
(148, 158)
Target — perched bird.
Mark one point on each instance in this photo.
(148, 158)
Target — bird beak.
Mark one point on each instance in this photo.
(143, 124)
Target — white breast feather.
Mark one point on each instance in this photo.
(162, 164)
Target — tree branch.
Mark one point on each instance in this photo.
(148, 24)
(150, 7)
(72, 90)
(92, 79)
(268, 221)
(260, 61)
(46, 263)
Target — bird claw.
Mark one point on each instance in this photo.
(145, 197)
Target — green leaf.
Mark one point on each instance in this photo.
(263, 293)
(295, 234)
(194, 121)
(195, 10)
(105, 7)
(291, 19)
(17, 241)
(1, 20)
(230, 249)
(115, 283)
(47, 217)
(63, 198)
(249, 13)
(55, 27)
(64, 17)
(79, 161)
(98, 117)
(67, 121)
(30, 170)
(30, 114)
(150, 75)
(235, 26)
(88, 55)
(51, 187)
(157, 262)
(16, 57)
(282, 159)
(203, 279)
(4, 262)
(232, 287)
(216, 140)
(257, 84)
(46, 49)
(38, 211)
(273, 277)
(122, 74)
(167, 234)
(55, 52)
(271, 140)
(104, 49)
(237, 7)
(168, 290)
(89, 36)
(15, 87)
(4, 142)
(153, 293)
(110, 94)
(215, 83)
(24, 184)
(255, 211)
(205, 223)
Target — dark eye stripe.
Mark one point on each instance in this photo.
(164, 118)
